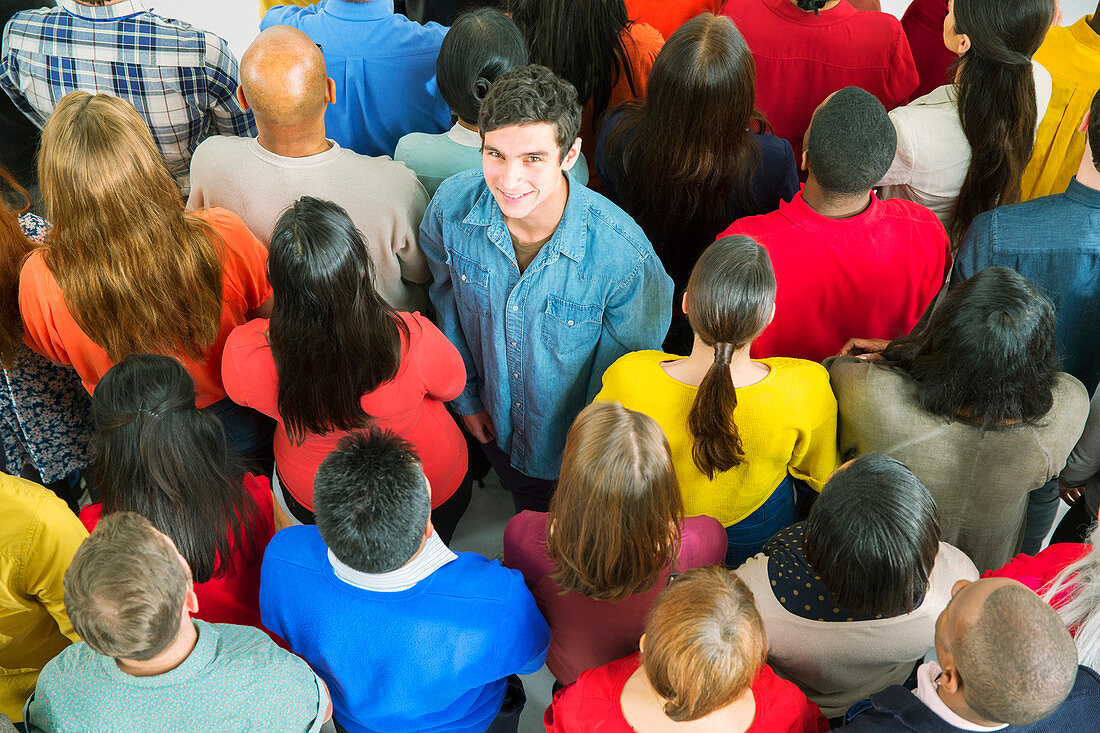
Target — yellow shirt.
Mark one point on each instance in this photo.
(266, 5)
(38, 537)
(787, 422)
(1072, 56)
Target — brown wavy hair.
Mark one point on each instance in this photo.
(138, 274)
(615, 515)
(14, 248)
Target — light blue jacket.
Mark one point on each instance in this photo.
(536, 345)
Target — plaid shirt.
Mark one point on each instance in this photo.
(181, 80)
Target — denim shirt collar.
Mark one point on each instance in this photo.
(569, 238)
(368, 10)
(103, 12)
(1083, 194)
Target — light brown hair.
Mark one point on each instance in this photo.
(14, 247)
(729, 300)
(615, 515)
(138, 274)
(704, 643)
(125, 588)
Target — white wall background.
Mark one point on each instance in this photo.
(237, 21)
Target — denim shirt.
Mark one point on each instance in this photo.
(536, 345)
(1054, 242)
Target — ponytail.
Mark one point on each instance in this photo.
(717, 445)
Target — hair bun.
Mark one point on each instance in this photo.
(481, 87)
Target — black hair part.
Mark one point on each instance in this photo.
(873, 536)
(159, 456)
(851, 142)
(480, 46)
(371, 501)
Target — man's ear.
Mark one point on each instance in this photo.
(330, 91)
(241, 100)
(949, 678)
(191, 601)
(1084, 126)
(684, 304)
(805, 160)
(571, 155)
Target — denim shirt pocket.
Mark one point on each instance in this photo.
(570, 327)
(471, 284)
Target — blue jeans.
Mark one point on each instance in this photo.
(747, 537)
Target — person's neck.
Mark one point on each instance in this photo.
(644, 710)
(1087, 175)
(467, 125)
(691, 370)
(832, 205)
(1094, 21)
(541, 223)
(294, 142)
(172, 657)
(955, 701)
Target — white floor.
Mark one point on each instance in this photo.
(481, 529)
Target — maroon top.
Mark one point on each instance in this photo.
(923, 26)
(585, 633)
(593, 704)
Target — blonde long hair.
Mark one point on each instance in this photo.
(139, 274)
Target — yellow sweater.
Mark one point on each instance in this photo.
(1072, 56)
(787, 423)
(38, 538)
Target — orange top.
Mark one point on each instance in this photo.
(643, 43)
(668, 15)
(51, 330)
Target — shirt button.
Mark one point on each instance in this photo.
(516, 404)
(513, 343)
(515, 374)
(569, 323)
(463, 278)
(515, 307)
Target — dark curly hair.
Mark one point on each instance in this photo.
(530, 94)
(987, 355)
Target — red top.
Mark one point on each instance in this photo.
(411, 405)
(592, 704)
(585, 633)
(1037, 572)
(801, 58)
(866, 276)
(233, 598)
(51, 330)
(668, 15)
(923, 25)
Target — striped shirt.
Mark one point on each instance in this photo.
(181, 80)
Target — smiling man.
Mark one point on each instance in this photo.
(540, 283)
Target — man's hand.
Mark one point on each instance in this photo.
(869, 349)
(1069, 494)
(480, 425)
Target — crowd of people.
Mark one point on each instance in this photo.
(772, 317)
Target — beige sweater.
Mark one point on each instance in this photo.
(979, 479)
(838, 664)
(383, 199)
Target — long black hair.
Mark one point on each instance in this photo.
(582, 41)
(156, 454)
(332, 336)
(996, 100)
(987, 355)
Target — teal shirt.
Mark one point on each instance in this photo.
(435, 158)
(235, 679)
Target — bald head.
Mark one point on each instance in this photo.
(1016, 661)
(283, 78)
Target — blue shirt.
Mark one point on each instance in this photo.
(1054, 242)
(235, 679)
(384, 68)
(537, 344)
(431, 658)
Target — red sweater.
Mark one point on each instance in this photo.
(592, 703)
(233, 598)
(585, 633)
(923, 25)
(410, 404)
(801, 58)
(1037, 572)
(867, 276)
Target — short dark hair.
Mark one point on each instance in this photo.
(1017, 661)
(480, 46)
(125, 589)
(371, 501)
(528, 95)
(1094, 129)
(986, 355)
(851, 143)
(874, 521)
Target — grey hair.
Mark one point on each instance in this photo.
(1080, 583)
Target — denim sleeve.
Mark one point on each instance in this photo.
(441, 293)
(636, 317)
(975, 251)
